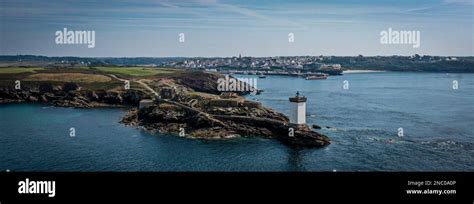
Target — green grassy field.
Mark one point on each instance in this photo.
(94, 78)
(136, 71)
(68, 77)
(17, 70)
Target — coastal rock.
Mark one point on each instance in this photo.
(44, 99)
(304, 138)
(133, 97)
(70, 87)
(32, 99)
(68, 95)
(170, 118)
(57, 88)
(109, 97)
(200, 81)
(45, 88)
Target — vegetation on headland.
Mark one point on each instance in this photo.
(68, 77)
(89, 77)
(136, 71)
(415, 63)
(16, 70)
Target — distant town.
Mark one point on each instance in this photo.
(332, 65)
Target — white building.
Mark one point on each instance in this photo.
(145, 103)
(298, 109)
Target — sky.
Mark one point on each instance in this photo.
(224, 28)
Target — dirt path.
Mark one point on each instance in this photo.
(138, 81)
(215, 118)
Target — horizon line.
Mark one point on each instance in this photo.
(51, 56)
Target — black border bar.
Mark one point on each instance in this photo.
(380, 187)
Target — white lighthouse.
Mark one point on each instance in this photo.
(298, 109)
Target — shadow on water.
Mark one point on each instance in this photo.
(295, 159)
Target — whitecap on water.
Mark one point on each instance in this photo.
(448, 145)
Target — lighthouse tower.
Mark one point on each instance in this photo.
(298, 109)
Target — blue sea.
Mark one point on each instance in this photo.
(363, 122)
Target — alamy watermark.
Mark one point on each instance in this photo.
(231, 84)
(400, 37)
(72, 132)
(291, 37)
(181, 38)
(71, 37)
(455, 85)
(37, 187)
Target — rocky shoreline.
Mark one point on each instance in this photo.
(70, 95)
(188, 105)
(172, 119)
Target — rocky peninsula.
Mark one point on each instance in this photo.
(186, 103)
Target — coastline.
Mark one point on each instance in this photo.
(188, 102)
(358, 133)
(362, 71)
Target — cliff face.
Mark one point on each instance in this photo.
(71, 95)
(199, 81)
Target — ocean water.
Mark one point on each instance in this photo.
(362, 121)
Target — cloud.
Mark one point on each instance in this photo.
(169, 5)
(464, 2)
(418, 9)
(253, 14)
